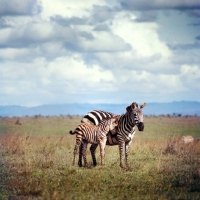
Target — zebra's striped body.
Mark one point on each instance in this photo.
(126, 129)
(88, 133)
(96, 116)
(124, 132)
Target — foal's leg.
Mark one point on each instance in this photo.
(80, 155)
(93, 150)
(75, 152)
(84, 143)
(102, 149)
(76, 148)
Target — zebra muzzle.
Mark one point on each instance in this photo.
(141, 126)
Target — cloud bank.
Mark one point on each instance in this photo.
(98, 51)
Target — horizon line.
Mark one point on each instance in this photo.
(55, 104)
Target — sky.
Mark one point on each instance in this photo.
(99, 51)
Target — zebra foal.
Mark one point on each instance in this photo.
(89, 133)
(123, 134)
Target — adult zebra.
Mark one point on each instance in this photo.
(94, 134)
(123, 134)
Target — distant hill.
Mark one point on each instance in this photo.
(173, 108)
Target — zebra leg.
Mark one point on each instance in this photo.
(80, 155)
(76, 148)
(127, 146)
(102, 149)
(121, 143)
(75, 152)
(93, 150)
(121, 153)
(84, 143)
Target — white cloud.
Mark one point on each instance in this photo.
(66, 75)
(18, 7)
(79, 77)
(149, 83)
(35, 33)
(12, 53)
(68, 9)
(104, 42)
(161, 4)
(143, 37)
(191, 76)
(52, 48)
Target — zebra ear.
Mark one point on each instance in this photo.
(128, 108)
(134, 105)
(143, 105)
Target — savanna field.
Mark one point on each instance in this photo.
(36, 161)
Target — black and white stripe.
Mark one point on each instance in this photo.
(94, 134)
(96, 116)
(124, 132)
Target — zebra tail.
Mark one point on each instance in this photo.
(72, 133)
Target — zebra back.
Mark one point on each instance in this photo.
(96, 116)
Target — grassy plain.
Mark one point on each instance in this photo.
(36, 162)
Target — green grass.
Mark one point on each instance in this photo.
(36, 162)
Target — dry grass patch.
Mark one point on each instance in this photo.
(39, 165)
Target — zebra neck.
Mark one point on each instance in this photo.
(126, 126)
(128, 120)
